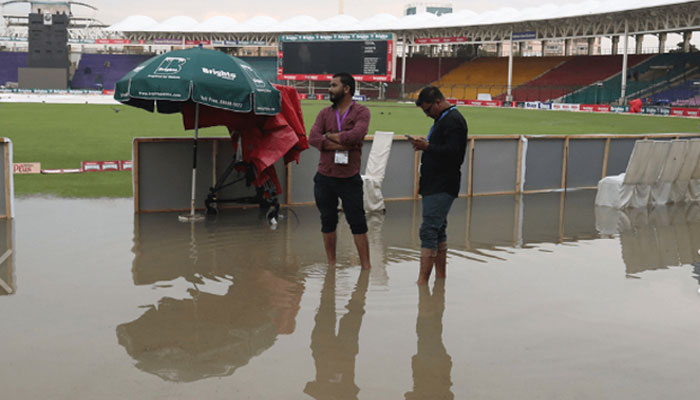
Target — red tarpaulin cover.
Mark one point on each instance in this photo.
(264, 139)
(636, 106)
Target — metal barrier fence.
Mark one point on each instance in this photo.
(494, 165)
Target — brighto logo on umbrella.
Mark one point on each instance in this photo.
(219, 73)
(170, 65)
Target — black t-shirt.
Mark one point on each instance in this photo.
(441, 162)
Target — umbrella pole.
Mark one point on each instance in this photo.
(192, 216)
(194, 156)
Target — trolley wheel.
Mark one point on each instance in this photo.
(272, 216)
(211, 206)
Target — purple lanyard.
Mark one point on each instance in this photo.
(345, 114)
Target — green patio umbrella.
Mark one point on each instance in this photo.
(208, 77)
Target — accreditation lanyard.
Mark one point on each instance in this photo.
(345, 114)
(441, 117)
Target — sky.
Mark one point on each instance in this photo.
(113, 11)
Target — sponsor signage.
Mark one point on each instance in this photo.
(99, 166)
(619, 109)
(677, 112)
(113, 41)
(126, 165)
(320, 96)
(61, 171)
(325, 37)
(566, 106)
(303, 96)
(91, 166)
(197, 42)
(439, 40)
(328, 77)
(110, 165)
(51, 91)
(482, 103)
(172, 42)
(595, 107)
(685, 112)
(26, 168)
(12, 39)
(82, 41)
(238, 43)
(529, 35)
(656, 110)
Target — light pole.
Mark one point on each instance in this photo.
(598, 85)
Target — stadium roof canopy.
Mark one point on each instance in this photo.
(586, 19)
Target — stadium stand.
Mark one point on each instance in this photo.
(424, 70)
(266, 66)
(682, 93)
(102, 71)
(9, 63)
(576, 73)
(421, 71)
(643, 77)
(690, 102)
(490, 75)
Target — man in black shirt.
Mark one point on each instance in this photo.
(441, 161)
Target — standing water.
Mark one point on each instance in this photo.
(546, 297)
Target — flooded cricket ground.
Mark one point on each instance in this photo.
(546, 297)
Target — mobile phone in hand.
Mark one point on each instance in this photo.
(410, 138)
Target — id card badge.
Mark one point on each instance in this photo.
(341, 157)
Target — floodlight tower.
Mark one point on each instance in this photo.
(48, 60)
(51, 7)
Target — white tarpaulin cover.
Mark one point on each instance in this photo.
(618, 191)
(375, 170)
(679, 189)
(657, 173)
(661, 189)
(693, 192)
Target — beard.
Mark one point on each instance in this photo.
(335, 98)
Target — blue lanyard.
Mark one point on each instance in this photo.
(441, 117)
(345, 114)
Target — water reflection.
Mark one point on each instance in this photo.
(654, 238)
(7, 257)
(228, 287)
(334, 354)
(243, 288)
(432, 364)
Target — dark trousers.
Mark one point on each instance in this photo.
(435, 209)
(327, 190)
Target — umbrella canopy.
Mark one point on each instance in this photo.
(207, 77)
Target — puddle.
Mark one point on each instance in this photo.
(546, 297)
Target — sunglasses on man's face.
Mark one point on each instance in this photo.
(426, 110)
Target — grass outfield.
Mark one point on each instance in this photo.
(63, 135)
